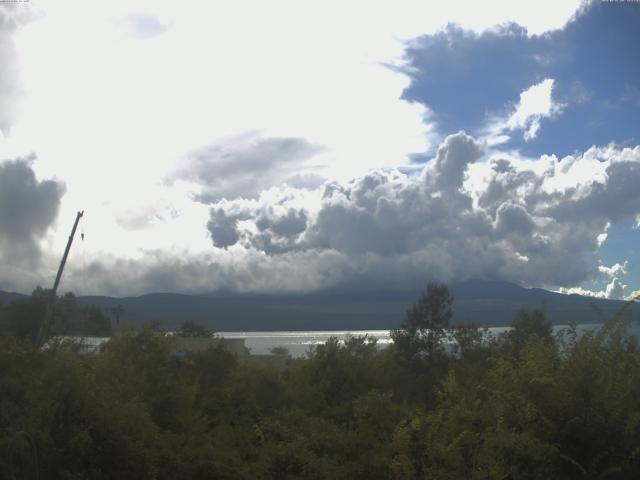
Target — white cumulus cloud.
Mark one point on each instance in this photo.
(535, 104)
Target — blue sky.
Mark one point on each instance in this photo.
(265, 147)
(466, 78)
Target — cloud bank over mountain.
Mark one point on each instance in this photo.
(533, 222)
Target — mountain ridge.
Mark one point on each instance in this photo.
(485, 302)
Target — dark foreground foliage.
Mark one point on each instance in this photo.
(527, 405)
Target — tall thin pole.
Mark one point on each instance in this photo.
(66, 254)
(44, 328)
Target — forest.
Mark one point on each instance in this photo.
(527, 404)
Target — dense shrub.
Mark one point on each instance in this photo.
(525, 405)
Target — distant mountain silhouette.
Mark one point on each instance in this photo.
(495, 303)
(7, 297)
(485, 302)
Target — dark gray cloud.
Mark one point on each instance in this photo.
(223, 228)
(276, 229)
(247, 164)
(614, 200)
(240, 271)
(504, 182)
(28, 207)
(513, 218)
(293, 223)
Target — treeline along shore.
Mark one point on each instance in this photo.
(527, 404)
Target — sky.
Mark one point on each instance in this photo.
(304, 146)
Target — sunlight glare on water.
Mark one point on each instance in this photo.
(298, 343)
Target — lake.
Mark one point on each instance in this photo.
(299, 342)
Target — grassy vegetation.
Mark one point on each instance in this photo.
(522, 406)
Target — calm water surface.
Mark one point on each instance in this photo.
(298, 343)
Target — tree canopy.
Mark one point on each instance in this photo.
(527, 404)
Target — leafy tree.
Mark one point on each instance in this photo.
(338, 371)
(214, 369)
(528, 326)
(426, 322)
(194, 330)
(95, 322)
(421, 359)
(519, 407)
(468, 339)
(23, 318)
